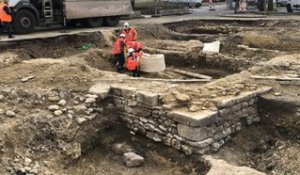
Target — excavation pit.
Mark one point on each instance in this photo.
(47, 107)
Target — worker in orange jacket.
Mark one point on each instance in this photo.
(137, 46)
(6, 18)
(119, 52)
(132, 63)
(130, 32)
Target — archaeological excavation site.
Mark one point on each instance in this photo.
(64, 109)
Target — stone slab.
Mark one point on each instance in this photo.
(213, 47)
(245, 96)
(121, 90)
(192, 133)
(220, 167)
(201, 118)
(131, 159)
(147, 98)
(100, 89)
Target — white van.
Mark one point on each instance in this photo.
(293, 5)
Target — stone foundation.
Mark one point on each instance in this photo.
(191, 132)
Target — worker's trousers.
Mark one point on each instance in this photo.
(6, 26)
(120, 62)
(136, 72)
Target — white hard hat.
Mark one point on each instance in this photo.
(126, 24)
(130, 50)
(122, 35)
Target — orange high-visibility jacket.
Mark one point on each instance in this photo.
(119, 46)
(4, 17)
(138, 56)
(131, 34)
(132, 63)
(135, 45)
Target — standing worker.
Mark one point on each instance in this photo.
(130, 32)
(119, 52)
(133, 63)
(6, 18)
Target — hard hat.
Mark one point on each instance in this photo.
(130, 50)
(122, 35)
(126, 24)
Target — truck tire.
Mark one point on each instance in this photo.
(289, 8)
(72, 23)
(198, 5)
(112, 20)
(24, 22)
(260, 5)
(94, 22)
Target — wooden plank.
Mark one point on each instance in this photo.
(277, 78)
(190, 74)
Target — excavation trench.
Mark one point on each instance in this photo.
(148, 116)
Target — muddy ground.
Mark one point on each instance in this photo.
(59, 71)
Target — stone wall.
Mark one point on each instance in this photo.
(191, 132)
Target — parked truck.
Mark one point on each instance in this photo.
(28, 14)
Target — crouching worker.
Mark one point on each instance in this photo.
(133, 63)
(137, 47)
(119, 52)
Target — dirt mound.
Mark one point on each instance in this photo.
(276, 40)
(151, 31)
(50, 72)
(260, 40)
(185, 46)
(7, 58)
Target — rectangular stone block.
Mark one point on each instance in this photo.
(230, 101)
(128, 91)
(147, 98)
(192, 133)
(201, 144)
(202, 118)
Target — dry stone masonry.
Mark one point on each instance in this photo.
(191, 132)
